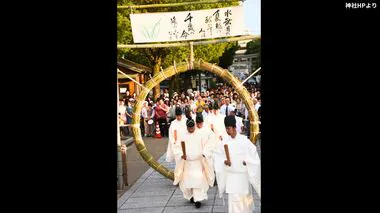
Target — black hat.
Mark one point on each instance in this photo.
(178, 111)
(190, 123)
(187, 108)
(234, 111)
(199, 119)
(216, 106)
(230, 121)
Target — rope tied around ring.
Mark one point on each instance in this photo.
(175, 68)
(163, 73)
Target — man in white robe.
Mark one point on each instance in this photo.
(235, 176)
(210, 117)
(177, 127)
(208, 139)
(239, 121)
(206, 112)
(192, 171)
(216, 123)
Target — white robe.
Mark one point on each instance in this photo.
(208, 141)
(217, 122)
(236, 180)
(205, 114)
(239, 124)
(193, 174)
(180, 127)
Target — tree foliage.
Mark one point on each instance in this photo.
(163, 57)
(254, 47)
(227, 58)
(210, 53)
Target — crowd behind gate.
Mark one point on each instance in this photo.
(162, 110)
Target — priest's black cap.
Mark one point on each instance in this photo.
(178, 111)
(199, 118)
(190, 123)
(216, 106)
(230, 121)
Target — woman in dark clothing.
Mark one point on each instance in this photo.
(129, 113)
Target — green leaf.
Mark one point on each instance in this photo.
(209, 53)
(156, 29)
(146, 33)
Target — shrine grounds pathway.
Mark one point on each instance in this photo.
(154, 193)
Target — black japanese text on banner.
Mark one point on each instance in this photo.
(188, 25)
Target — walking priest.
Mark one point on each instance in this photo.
(192, 171)
(237, 167)
(177, 127)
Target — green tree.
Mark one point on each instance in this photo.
(163, 57)
(227, 58)
(254, 47)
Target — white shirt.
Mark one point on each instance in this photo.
(239, 124)
(193, 107)
(223, 109)
(122, 109)
(204, 114)
(246, 113)
(257, 106)
(144, 112)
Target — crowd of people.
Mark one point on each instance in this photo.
(162, 110)
(208, 139)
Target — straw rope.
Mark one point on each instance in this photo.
(169, 72)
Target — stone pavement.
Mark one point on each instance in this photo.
(154, 193)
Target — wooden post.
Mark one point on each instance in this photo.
(191, 59)
(182, 44)
(227, 152)
(183, 145)
(200, 82)
(124, 149)
(174, 4)
(120, 184)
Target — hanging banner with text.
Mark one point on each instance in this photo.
(188, 25)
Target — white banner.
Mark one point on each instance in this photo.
(187, 25)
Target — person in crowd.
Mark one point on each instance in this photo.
(161, 111)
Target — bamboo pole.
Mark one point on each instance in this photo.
(250, 76)
(130, 78)
(174, 4)
(181, 44)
